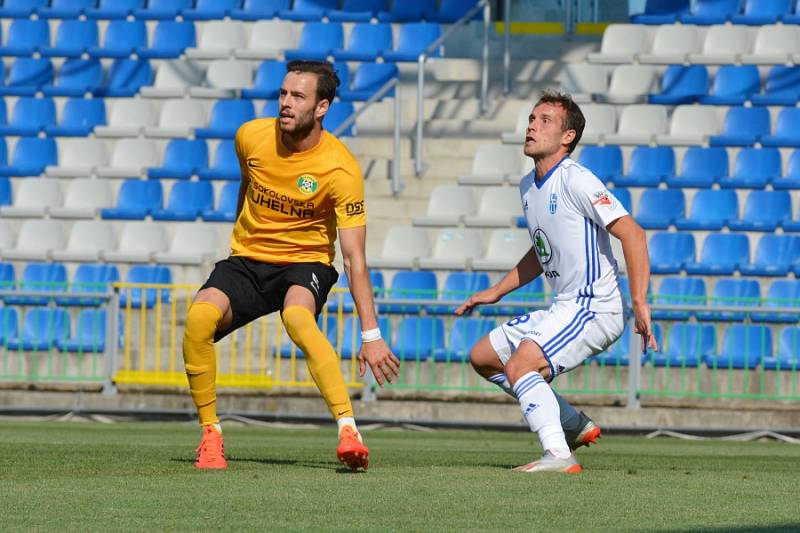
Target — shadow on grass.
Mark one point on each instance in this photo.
(282, 462)
(778, 528)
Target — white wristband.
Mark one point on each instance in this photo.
(371, 335)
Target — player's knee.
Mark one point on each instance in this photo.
(527, 358)
(299, 322)
(202, 321)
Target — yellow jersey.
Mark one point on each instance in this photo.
(294, 200)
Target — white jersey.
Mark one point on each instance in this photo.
(567, 213)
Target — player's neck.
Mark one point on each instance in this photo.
(545, 164)
(302, 142)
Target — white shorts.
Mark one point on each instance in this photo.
(566, 332)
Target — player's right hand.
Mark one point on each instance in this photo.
(487, 296)
(644, 327)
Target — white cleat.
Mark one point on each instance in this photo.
(551, 463)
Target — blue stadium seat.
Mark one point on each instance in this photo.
(183, 158)
(414, 39)
(618, 354)
(122, 39)
(90, 277)
(368, 79)
(660, 208)
(42, 329)
(308, 10)
(270, 109)
(732, 292)
(458, 286)
(187, 200)
(358, 10)
(701, 167)
(149, 274)
(210, 9)
(786, 133)
(681, 84)
(170, 39)
(114, 9)
(764, 211)
(671, 252)
(687, 345)
(648, 166)
(792, 18)
(126, 77)
(791, 180)
(267, 82)
(26, 37)
(776, 255)
(21, 8)
(743, 126)
(624, 197)
(73, 38)
(337, 113)
(90, 333)
(79, 117)
(27, 76)
(226, 164)
(743, 347)
(226, 209)
(722, 254)
(760, 12)
(30, 117)
(366, 42)
(39, 277)
(781, 293)
(318, 40)
(65, 9)
(77, 77)
(408, 11)
(226, 117)
(351, 335)
(788, 357)
(409, 285)
(8, 277)
(5, 189)
(605, 162)
(782, 87)
(452, 10)
(661, 12)
(708, 12)
(464, 334)
(31, 156)
(733, 85)
(711, 211)
(343, 297)
(162, 9)
(754, 168)
(136, 199)
(327, 325)
(530, 293)
(9, 324)
(259, 9)
(678, 291)
(418, 338)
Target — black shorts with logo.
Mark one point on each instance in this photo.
(256, 289)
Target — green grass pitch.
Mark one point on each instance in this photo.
(139, 477)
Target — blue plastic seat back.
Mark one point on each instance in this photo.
(140, 194)
(415, 37)
(715, 7)
(44, 325)
(84, 112)
(321, 36)
(466, 332)
(28, 34)
(452, 10)
(21, 8)
(76, 35)
(751, 121)
(270, 109)
(174, 36)
(789, 344)
(681, 291)
(34, 112)
(786, 124)
(793, 167)
(685, 80)
(661, 205)
(672, 248)
(725, 249)
(767, 206)
(108, 9)
(269, 74)
(605, 162)
(5, 182)
(691, 340)
(337, 113)
(164, 8)
(127, 76)
(783, 293)
(229, 114)
(8, 277)
(666, 7)
(736, 80)
(700, 162)
(228, 198)
(351, 335)
(767, 8)
(191, 196)
(44, 277)
(147, 274)
(9, 324)
(94, 277)
(624, 197)
(532, 292)
(408, 11)
(125, 35)
(5, 186)
(747, 345)
(461, 285)
(225, 156)
(413, 285)
(758, 162)
(30, 71)
(34, 152)
(370, 38)
(90, 328)
(781, 78)
(418, 337)
(777, 250)
(186, 154)
(715, 206)
(364, 6)
(734, 292)
(652, 161)
(84, 74)
(343, 298)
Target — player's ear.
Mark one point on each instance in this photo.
(568, 136)
(322, 108)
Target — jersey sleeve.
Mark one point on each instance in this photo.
(240, 144)
(593, 199)
(348, 196)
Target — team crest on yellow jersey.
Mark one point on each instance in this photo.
(307, 184)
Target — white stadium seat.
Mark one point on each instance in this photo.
(179, 118)
(131, 158)
(583, 81)
(493, 164)
(37, 240)
(691, 125)
(88, 241)
(192, 244)
(499, 207)
(673, 44)
(630, 84)
(506, 247)
(724, 44)
(84, 198)
(269, 38)
(173, 79)
(447, 205)
(775, 45)
(453, 248)
(601, 120)
(79, 158)
(622, 43)
(223, 79)
(639, 124)
(138, 242)
(218, 40)
(402, 248)
(129, 117)
(34, 198)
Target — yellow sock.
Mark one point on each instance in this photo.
(321, 359)
(200, 359)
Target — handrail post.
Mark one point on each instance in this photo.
(419, 166)
(507, 47)
(397, 183)
(485, 60)
(112, 344)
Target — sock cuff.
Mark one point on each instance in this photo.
(213, 308)
(498, 379)
(527, 382)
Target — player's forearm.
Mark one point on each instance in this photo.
(355, 266)
(634, 246)
(527, 269)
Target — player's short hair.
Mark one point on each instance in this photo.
(327, 80)
(574, 116)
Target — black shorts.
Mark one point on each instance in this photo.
(256, 289)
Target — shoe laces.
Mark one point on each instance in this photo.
(211, 444)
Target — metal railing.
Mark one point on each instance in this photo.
(419, 164)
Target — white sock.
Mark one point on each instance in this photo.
(540, 408)
(217, 427)
(347, 421)
(502, 381)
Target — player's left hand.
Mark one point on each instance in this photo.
(383, 363)
(644, 327)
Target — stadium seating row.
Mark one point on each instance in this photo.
(752, 12)
(305, 10)
(46, 329)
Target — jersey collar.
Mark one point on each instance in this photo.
(540, 183)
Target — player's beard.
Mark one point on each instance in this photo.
(301, 127)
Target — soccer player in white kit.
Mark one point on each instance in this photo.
(570, 215)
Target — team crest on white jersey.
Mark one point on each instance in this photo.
(542, 245)
(553, 203)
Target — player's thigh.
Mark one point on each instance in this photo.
(505, 338)
(484, 358)
(220, 300)
(308, 284)
(597, 335)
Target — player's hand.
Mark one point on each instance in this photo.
(486, 296)
(381, 360)
(641, 318)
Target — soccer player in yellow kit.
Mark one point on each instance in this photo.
(299, 184)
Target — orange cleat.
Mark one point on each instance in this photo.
(211, 451)
(351, 451)
(588, 435)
